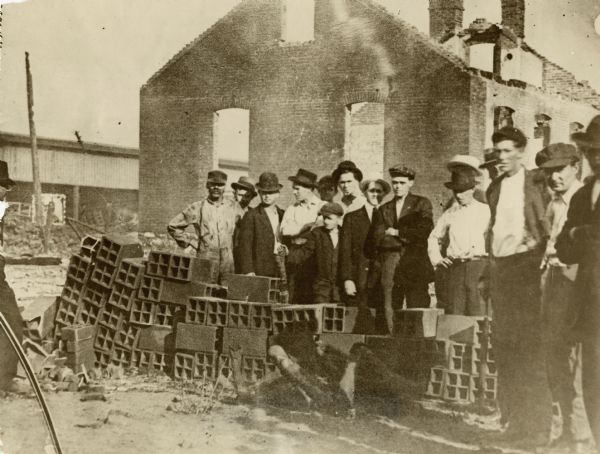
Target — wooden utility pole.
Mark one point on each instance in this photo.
(35, 159)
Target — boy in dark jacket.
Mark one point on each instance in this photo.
(322, 244)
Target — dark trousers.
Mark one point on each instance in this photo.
(463, 297)
(590, 374)
(562, 353)
(523, 394)
(10, 310)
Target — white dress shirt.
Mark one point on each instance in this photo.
(299, 214)
(334, 235)
(509, 232)
(274, 221)
(465, 226)
(369, 209)
(399, 206)
(556, 213)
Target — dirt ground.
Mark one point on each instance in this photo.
(139, 416)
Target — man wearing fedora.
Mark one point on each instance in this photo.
(347, 177)
(560, 163)
(259, 232)
(243, 191)
(579, 243)
(297, 222)
(461, 229)
(359, 274)
(398, 237)
(214, 220)
(516, 243)
(8, 302)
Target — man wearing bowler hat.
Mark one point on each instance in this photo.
(298, 220)
(259, 232)
(569, 428)
(8, 302)
(462, 228)
(516, 243)
(579, 243)
(398, 237)
(347, 177)
(214, 220)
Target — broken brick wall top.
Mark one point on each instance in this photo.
(297, 96)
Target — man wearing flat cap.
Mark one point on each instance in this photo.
(361, 275)
(462, 229)
(560, 163)
(259, 232)
(398, 237)
(8, 302)
(298, 220)
(214, 220)
(347, 177)
(579, 243)
(516, 242)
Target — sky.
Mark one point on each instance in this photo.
(89, 58)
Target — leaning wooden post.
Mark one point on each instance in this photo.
(35, 159)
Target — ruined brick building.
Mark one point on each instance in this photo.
(307, 83)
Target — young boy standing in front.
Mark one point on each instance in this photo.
(322, 244)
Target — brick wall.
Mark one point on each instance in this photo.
(444, 16)
(297, 97)
(559, 80)
(513, 16)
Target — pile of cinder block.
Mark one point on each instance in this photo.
(470, 370)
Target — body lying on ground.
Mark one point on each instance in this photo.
(319, 377)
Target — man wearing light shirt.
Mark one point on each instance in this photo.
(517, 240)
(560, 163)
(297, 222)
(463, 227)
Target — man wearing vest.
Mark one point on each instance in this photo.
(517, 239)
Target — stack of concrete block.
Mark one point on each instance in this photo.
(460, 380)
(78, 343)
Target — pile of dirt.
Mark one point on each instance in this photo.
(23, 238)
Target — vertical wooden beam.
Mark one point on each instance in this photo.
(35, 158)
(76, 202)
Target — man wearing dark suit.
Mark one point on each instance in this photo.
(360, 275)
(8, 302)
(579, 242)
(399, 239)
(259, 235)
(516, 241)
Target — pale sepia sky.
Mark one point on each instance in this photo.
(90, 57)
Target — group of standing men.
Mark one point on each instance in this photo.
(529, 243)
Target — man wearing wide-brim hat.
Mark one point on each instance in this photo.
(244, 191)
(259, 231)
(214, 220)
(462, 227)
(579, 243)
(298, 219)
(8, 302)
